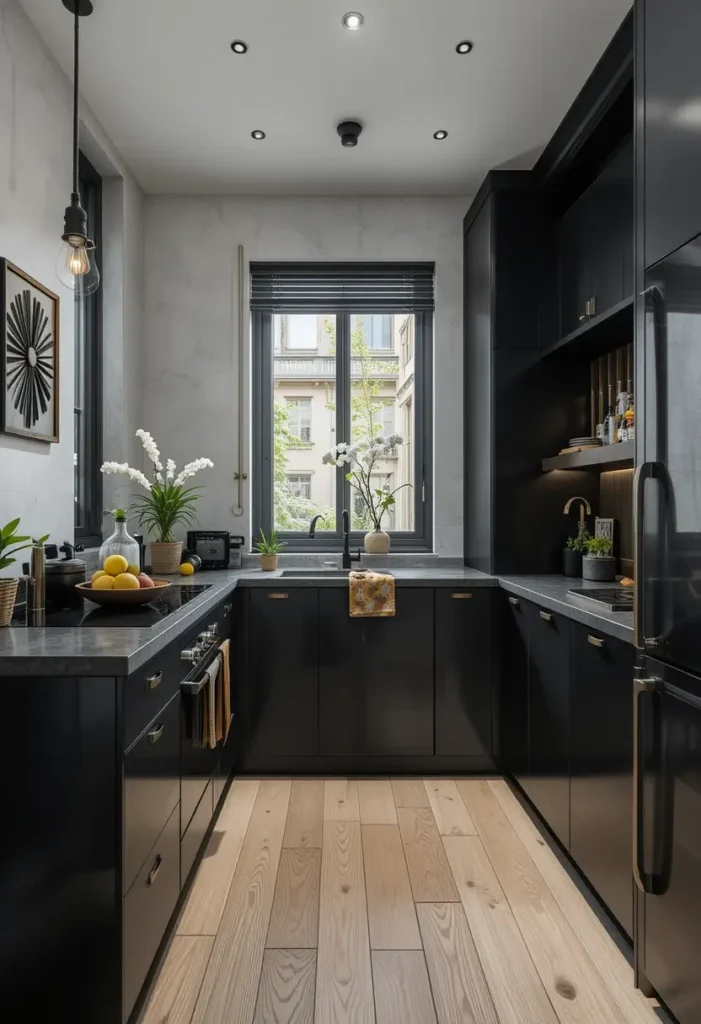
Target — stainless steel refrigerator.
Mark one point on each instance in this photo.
(667, 688)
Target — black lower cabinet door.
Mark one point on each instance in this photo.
(376, 677)
(464, 687)
(513, 687)
(601, 786)
(283, 685)
(548, 780)
(670, 819)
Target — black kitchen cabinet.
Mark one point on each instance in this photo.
(668, 86)
(513, 690)
(547, 782)
(601, 765)
(376, 677)
(575, 244)
(283, 685)
(464, 689)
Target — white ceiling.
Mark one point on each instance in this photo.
(180, 106)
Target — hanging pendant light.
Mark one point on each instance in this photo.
(76, 267)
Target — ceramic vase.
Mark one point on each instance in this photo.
(571, 562)
(166, 557)
(600, 568)
(377, 542)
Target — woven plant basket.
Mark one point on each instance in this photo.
(8, 593)
(166, 557)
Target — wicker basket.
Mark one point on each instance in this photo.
(8, 593)
(166, 557)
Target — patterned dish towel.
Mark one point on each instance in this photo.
(371, 595)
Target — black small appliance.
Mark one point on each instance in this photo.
(214, 547)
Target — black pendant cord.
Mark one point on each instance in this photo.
(76, 73)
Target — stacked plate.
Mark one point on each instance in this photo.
(577, 442)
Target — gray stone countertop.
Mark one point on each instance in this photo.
(551, 593)
(115, 651)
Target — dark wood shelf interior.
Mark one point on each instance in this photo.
(599, 334)
(607, 457)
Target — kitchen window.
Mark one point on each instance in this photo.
(353, 382)
(87, 402)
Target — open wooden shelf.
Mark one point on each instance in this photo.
(600, 333)
(612, 456)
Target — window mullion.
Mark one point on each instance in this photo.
(343, 416)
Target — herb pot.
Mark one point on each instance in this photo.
(8, 593)
(268, 563)
(166, 557)
(571, 562)
(601, 568)
(377, 542)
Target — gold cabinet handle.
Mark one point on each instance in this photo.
(546, 616)
(155, 680)
(595, 641)
(155, 734)
(461, 597)
(514, 601)
(277, 596)
(153, 873)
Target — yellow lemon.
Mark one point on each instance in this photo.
(126, 581)
(187, 569)
(114, 565)
(103, 583)
(133, 569)
(96, 575)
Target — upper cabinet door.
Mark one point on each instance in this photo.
(611, 248)
(672, 125)
(576, 283)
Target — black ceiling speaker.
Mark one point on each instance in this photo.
(349, 132)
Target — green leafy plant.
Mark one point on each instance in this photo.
(269, 545)
(599, 547)
(8, 538)
(579, 543)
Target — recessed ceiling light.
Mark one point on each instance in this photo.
(465, 46)
(440, 135)
(238, 46)
(353, 20)
(257, 134)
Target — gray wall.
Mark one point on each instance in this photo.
(190, 402)
(36, 480)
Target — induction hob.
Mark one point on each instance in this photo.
(613, 599)
(85, 614)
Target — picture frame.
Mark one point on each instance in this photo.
(604, 527)
(29, 356)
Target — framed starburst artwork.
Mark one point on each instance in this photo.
(29, 395)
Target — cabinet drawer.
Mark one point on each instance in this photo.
(196, 830)
(149, 689)
(148, 907)
(151, 787)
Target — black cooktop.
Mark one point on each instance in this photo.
(146, 616)
(613, 599)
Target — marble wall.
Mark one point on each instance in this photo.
(190, 396)
(36, 480)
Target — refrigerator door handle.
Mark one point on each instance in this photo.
(645, 471)
(655, 882)
(641, 686)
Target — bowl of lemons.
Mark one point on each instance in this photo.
(120, 585)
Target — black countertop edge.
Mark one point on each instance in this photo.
(551, 592)
(118, 652)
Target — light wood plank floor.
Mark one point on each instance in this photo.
(388, 901)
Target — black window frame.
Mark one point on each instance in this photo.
(262, 369)
(89, 530)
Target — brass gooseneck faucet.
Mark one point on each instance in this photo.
(584, 509)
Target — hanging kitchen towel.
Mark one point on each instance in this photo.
(210, 704)
(225, 687)
(371, 595)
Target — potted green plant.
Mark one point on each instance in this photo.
(269, 549)
(10, 544)
(573, 553)
(599, 564)
(168, 504)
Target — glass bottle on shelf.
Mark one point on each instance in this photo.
(120, 543)
(610, 427)
(630, 419)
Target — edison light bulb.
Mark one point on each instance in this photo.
(76, 267)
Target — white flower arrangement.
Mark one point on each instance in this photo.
(168, 503)
(362, 456)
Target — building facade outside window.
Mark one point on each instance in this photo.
(300, 485)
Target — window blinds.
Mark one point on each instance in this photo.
(334, 287)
